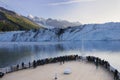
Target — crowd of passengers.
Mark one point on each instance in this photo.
(35, 63)
(98, 62)
(62, 59)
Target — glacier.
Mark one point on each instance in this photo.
(106, 31)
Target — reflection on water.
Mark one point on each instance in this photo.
(15, 53)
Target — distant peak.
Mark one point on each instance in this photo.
(54, 23)
(30, 16)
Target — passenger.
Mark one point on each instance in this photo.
(1, 74)
(63, 61)
(29, 65)
(17, 67)
(23, 66)
(11, 69)
(108, 66)
(76, 57)
(34, 64)
(60, 61)
(116, 75)
(96, 63)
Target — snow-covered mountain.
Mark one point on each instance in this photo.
(2, 4)
(107, 31)
(53, 23)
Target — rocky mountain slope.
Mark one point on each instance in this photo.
(11, 21)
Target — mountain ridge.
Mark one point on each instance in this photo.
(53, 23)
(11, 21)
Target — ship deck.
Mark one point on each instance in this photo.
(81, 70)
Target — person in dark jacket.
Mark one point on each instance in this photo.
(96, 63)
(17, 67)
(34, 64)
(1, 74)
(23, 65)
(115, 75)
(29, 65)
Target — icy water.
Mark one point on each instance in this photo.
(15, 53)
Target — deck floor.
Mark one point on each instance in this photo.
(80, 71)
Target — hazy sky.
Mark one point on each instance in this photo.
(84, 11)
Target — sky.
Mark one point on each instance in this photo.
(84, 11)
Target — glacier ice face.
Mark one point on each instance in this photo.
(107, 31)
